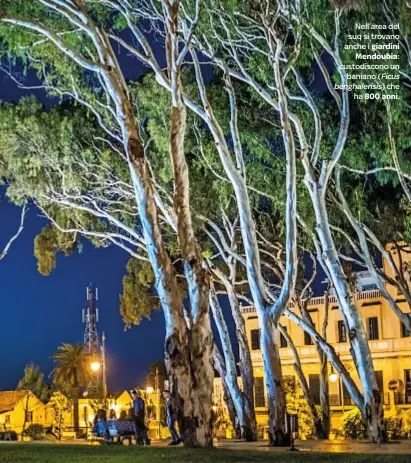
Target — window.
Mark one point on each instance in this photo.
(283, 341)
(342, 331)
(346, 395)
(373, 328)
(314, 385)
(7, 419)
(255, 339)
(380, 382)
(307, 338)
(259, 397)
(29, 417)
(405, 332)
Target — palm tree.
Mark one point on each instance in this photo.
(33, 380)
(71, 373)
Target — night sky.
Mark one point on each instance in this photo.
(38, 313)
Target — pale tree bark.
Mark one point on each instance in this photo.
(191, 389)
(219, 365)
(197, 278)
(316, 183)
(249, 431)
(239, 399)
(8, 245)
(364, 251)
(304, 384)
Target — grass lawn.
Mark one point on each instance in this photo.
(16, 453)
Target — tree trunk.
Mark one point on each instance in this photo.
(26, 409)
(219, 365)
(248, 431)
(304, 385)
(372, 398)
(274, 382)
(323, 424)
(324, 396)
(76, 419)
(196, 429)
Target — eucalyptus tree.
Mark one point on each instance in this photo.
(240, 40)
(13, 238)
(70, 44)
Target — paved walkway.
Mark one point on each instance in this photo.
(340, 446)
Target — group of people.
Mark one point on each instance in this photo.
(137, 414)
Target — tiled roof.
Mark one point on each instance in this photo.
(9, 399)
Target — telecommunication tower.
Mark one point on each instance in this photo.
(92, 344)
(90, 318)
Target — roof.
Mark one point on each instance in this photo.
(9, 399)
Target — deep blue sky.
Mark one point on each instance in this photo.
(38, 313)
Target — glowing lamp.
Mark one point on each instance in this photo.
(333, 376)
(95, 366)
(149, 390)
(214, 408)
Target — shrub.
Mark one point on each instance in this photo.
(353, 425)
(394, 427)
(35, 431)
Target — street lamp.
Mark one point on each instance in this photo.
(333, 376)
(149, 390)
(95, 366)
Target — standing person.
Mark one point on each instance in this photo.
(139, 407)
(171, 419)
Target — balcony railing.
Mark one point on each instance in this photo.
(320, 300)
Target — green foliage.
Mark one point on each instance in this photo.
(394, 427)
(138, 300)
(72, 370)
(297, 404)
(49, 242)
(35, 431)
(353, 425)
(60, 404)
(33, 380)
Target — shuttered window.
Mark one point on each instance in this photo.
(255, 339)
(283, 341)
(342, 332)
(259, 397)
(314, 385)
(373, 328)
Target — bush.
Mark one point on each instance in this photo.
(353, 426)
(35, 432)
(394, 427)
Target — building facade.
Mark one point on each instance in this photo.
(20, 409)
(389, 341)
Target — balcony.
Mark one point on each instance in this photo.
(320, 300)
